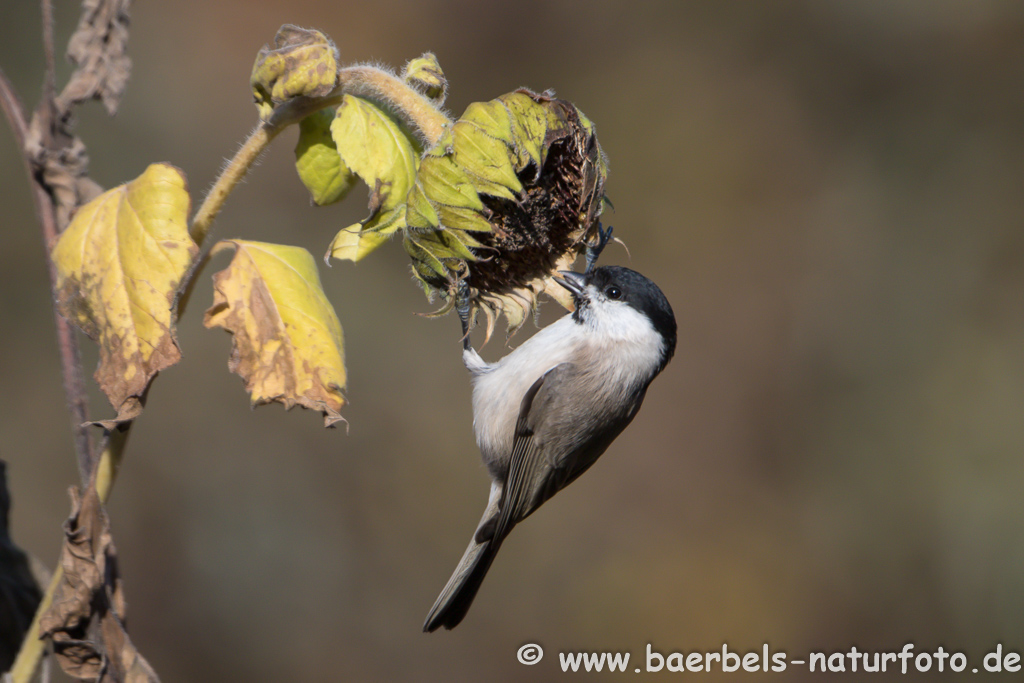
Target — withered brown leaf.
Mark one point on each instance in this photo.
(86, 619)
(99, 48)
(287, 341)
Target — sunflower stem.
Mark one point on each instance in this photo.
(406, 100)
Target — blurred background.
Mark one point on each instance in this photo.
(831, 194)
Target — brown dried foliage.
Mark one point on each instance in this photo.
(86, 620)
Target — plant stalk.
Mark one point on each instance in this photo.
(360, 80)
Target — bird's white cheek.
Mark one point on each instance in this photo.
(634, 347)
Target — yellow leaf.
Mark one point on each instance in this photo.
(376, 148)
(380, 151)
(119, 264)
(317, 162)
(288, 345)
(352, 245)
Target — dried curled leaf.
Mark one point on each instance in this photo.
(119, 264)
(99, 48)
(288, 344)
(383, 153)
(86, 618)
(320, 167)
(303, 62)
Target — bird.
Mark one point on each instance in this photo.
(544, 413)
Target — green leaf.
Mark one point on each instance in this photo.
(492, 117)
(287, 341)
(465, 237)
(457, 244)
(119, 264)
(317, 161)
(442, 245)
(463, 219)
(588, 126)
(426, 265)
(419, 213)
(530, 124)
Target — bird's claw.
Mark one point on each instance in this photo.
(463, 306)
(594, 250)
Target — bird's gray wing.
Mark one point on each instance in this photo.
(508, 505)
(531, 469)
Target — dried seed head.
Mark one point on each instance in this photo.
(518, 182)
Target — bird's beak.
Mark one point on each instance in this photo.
(574, 282)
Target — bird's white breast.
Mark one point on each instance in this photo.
(617, 344)
(498, 388)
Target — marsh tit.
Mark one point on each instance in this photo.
(545, 412)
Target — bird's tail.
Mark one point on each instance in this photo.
(451, 606)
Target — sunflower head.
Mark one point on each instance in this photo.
(529, 175)
(493, 203)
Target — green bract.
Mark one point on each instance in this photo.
(519, 181)
(320, 167)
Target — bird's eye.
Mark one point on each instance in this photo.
(613, 292)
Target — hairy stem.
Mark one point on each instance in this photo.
(229, 178)
(407, 101)
(233, 173)
(375, 84)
